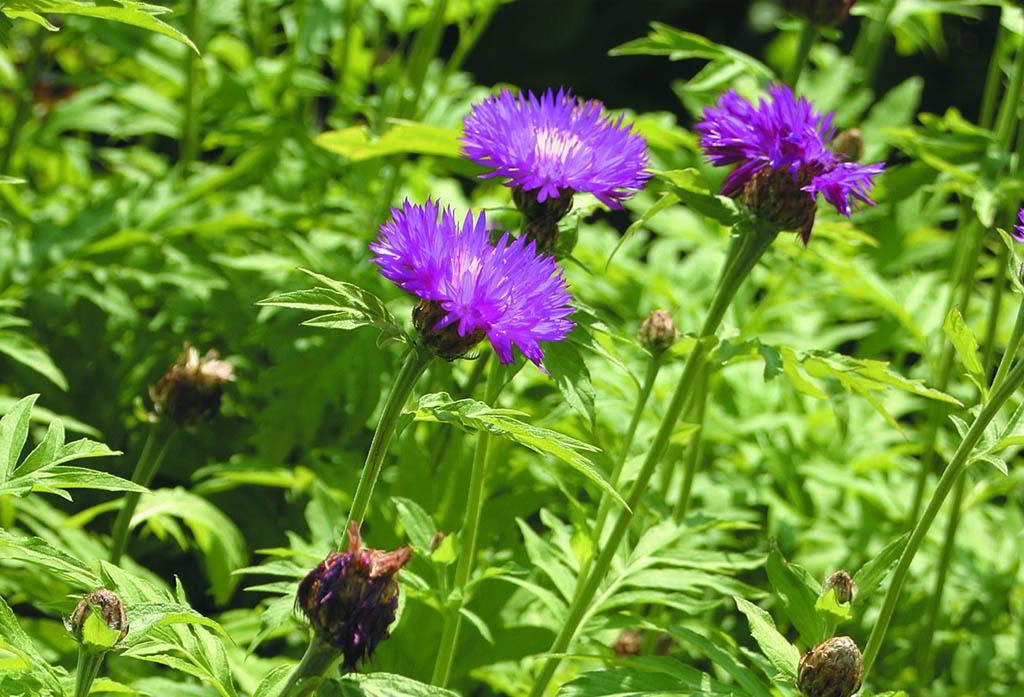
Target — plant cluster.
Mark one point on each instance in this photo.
(419, 387)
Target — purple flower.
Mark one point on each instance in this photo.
(1018, 230)
(555, 143)
(783, 133)
(471, 288)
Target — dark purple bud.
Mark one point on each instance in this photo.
(777, 198)
(540, 219)
(658, 332)
(846, 589)
(834, 668)
(824, 13)
(350, 598)
(190, 391)
(445, 341)
(106, 605)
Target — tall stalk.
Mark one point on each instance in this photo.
(468, 536)
(416, 361)
(308, 675)
(871, 42)
(158, 442)
(749, 244)
(190, 124)
(956, 467)
(89, 663)
(694, 449)
(23, 108)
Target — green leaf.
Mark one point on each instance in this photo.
(687, 186)
(632, 682)
(966, 346)
(13, 638)
(96, 633)
(13, 434)
(138, 14)
(25, 351)
(473, 415)
(274, 681)
(347, 306)
(871, 575)
(381, 685)
(829, 604)
(564, 362)
(667, 200)
(357, 143)
(796, 589)
(417, 523)
(783, 655)
(664, 40)
(722, 659)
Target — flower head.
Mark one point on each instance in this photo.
(191, 389)
(783, 134)
(1018, 230)
(834, 668)
(111, 628)
(471, 288)
(351, 597)
(555, 143)
(842, 583)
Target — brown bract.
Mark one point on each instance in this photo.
(834, 668)
(191, 389)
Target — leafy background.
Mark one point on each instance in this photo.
(164, 195)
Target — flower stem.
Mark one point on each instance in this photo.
(604, 508)
(1011, 349)
(424, 48)
(345, 50)
(744, 253)
(23, 110)
(308, 675)
(1011, 103)
(190, 125)
(416, 361)
(89, 663)
(467, 537)
(870, 44)
(987, 112)
(808, 34)
(695, 448)
(159, 440)
(956, 467)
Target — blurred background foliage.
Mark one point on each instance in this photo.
(163, 193)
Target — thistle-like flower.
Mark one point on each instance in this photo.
(113, 626)
(548, 148)
(191, 389)
(824, 13)
(781, 147)
(470, 288)
(351, 597)
(834, 668)
(1018, 230)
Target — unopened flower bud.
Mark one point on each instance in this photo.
(540, 219)
(351, 597)
(658, 332)
(440, 331)
(824, 13)
(98, 621)
(629, 643)
(849, 145)
(190, 391)
(776, 197)
(846, 589)
(834, 668)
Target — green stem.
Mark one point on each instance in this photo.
(987, 113)
(1011, 349)
(956, 467)
(424, 48)
(416, 361)
(870, 43)
(995, 309)
(348, 29)
(467, 537)
(744, 254)
(160, 437)
(89, 663)
(965, 265)
(694, 449)
(25, 101)
(808, 34)
(1005, 125)
(308, 675)
(190, 126)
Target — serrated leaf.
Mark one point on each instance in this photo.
(783, 655)
(794, 586)
(417, 523)
(13, 434)
(25, 351)
(871, 575)
(966, 346)
(380, 685)
(473, 415)
(564, 362)
(689, 189)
